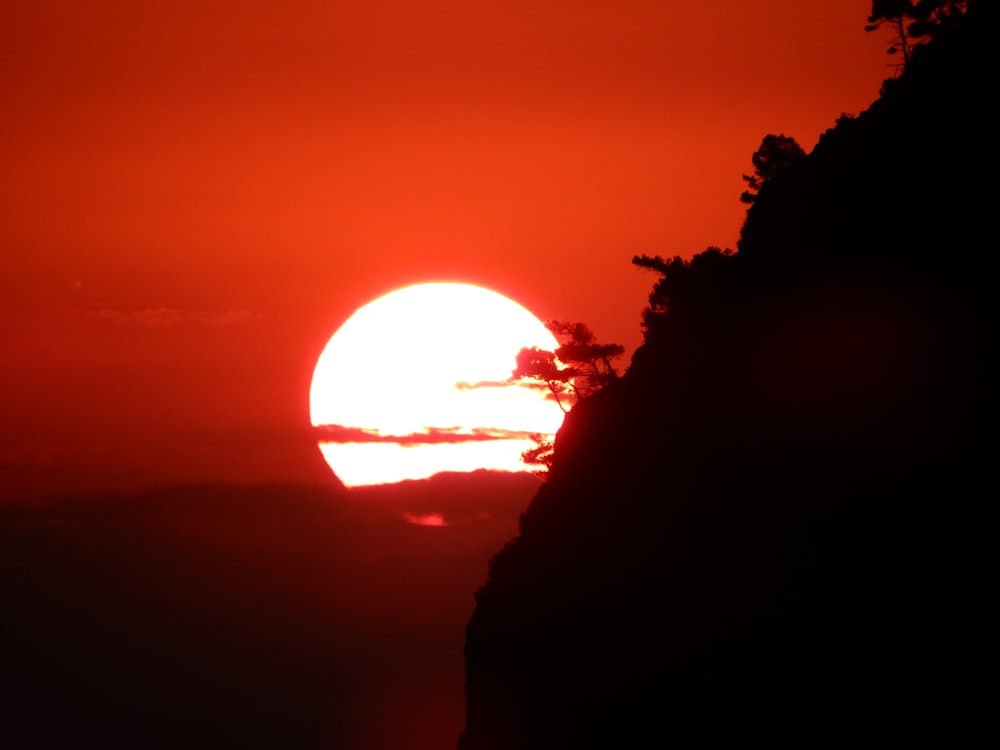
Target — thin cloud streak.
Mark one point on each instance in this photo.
(512, 383)
(335, 433)
(466, 386)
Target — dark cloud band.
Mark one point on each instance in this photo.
(335, 433)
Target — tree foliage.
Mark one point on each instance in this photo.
(776, 154)
(540, 457)
(688, 287)
(912, 21)
(578, 368)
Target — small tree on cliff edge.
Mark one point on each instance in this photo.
(578, 368)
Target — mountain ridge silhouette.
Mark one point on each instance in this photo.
(773, 526)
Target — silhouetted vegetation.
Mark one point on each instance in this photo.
(772, 528)
(912, 22)
(577, 369)
(686, 287)
(777, 153)
(541, 455)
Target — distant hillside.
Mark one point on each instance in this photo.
(244, 616)
(776, 526)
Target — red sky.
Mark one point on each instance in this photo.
(195, 195)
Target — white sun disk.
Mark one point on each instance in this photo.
(430, 357)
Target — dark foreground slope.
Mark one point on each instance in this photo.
(775, 527)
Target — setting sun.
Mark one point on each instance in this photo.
(418, 382)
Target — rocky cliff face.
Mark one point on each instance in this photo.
(774, 527)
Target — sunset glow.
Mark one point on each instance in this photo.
(261, 460)
(417, 382)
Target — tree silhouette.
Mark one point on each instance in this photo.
(578, 368)
(540, 365)
(540, 456)
(912, 22)
(776, 154)
(688, 287)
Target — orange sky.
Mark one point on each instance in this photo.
(195, 195)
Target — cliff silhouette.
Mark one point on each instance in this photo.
(776, 525)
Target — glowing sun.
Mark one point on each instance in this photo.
(417, 382)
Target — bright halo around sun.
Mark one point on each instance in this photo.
(417, 382)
